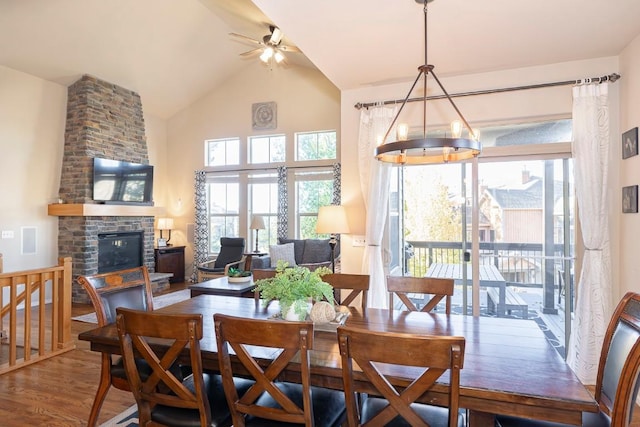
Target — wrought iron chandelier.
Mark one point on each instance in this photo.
(427, 150)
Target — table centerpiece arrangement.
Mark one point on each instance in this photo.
(295, 288)
(238, 276)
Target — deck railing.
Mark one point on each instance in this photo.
(35, 315)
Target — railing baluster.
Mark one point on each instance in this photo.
(20, 286)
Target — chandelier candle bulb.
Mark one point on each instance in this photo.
(456, 129)
(402, 132)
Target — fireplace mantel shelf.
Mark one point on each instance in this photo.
(94, 209)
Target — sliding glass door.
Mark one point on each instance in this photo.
(516, 259)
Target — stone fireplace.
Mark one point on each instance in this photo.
(103, 120)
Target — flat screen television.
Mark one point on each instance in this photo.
(117, 182)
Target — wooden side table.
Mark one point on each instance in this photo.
(170, 259)
(249, 257)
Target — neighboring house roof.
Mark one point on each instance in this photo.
(525, 196)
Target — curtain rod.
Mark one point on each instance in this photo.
(611, 77)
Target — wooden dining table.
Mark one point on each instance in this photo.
(509, 367)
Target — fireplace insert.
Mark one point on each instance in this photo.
(119, 251)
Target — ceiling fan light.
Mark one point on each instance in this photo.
(278, 56)
(267, 54)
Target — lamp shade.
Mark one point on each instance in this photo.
(332, 220)
(257, 223)
(165, 223)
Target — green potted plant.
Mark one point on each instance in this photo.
(294, 288)
(237, 275)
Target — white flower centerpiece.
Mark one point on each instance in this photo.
(294, 288)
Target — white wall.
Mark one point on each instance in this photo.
(32, 117)
(305, 99)
(628, 225)
(32, 124)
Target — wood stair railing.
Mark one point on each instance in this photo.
(35, 315)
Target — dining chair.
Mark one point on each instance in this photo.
(375, 352)
(124, 288)
(231, 254)
(437, 288)
(270, 401)
(358, 284)
(617, 380)
(165, 397)
(259, 274)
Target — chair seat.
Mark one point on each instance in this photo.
(184, 417)
(589, 419)
(434, 415)
(328, 406)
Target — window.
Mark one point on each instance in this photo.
(267, 149)
(316, 145)
(242, 181)
(223, 196)
(222, 152)
(312, 190)
(263, 197)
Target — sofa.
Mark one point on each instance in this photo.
(310, 253)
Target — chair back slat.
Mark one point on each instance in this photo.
(358, 284)
(438, 289)
(287, 338)
(369, 350)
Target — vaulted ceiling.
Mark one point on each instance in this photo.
(173, 52)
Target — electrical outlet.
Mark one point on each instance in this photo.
(7, 234)
(358, 241)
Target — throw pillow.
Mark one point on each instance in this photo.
(282, 253)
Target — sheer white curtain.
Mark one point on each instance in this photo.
(374, 181)
(591, 149)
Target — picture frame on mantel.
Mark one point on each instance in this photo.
(630, 143)
(630, 199)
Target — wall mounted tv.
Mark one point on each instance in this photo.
(117, 182)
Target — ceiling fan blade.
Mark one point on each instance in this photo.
(251, 52)
(276, 36)
(289, 49)
(245, 38)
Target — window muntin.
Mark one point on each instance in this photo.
(316, 145)
(222, 152)
(267, 149)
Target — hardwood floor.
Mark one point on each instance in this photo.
(59, 392)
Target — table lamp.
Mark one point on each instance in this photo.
(332, 220)
(257, 223)
(165, 224)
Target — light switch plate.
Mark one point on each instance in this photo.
(358, 241)
(7, 234)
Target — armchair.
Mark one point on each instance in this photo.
(231, 255)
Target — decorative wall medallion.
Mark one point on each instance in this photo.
(263, 115)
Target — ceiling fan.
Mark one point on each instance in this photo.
(270, 47)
